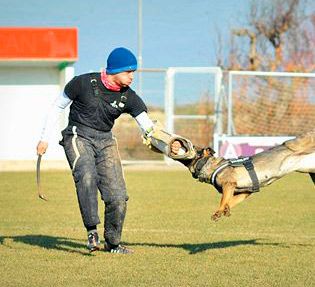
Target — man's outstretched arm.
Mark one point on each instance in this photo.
(147, 127)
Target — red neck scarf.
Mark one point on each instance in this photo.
(111, 86)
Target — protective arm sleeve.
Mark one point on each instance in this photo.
(58, 106)
(156, 138)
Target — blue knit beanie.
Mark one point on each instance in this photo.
(121, 60)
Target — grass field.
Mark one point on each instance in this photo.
(269, 240)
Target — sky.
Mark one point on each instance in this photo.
(175, 32)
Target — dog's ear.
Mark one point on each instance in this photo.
(198, 149)
(204, 152)
(208, 151)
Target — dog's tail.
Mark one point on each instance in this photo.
(313, 177)
(302, 144)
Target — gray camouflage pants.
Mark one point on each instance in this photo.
(95, 163)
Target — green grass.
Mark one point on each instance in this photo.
(268, 240)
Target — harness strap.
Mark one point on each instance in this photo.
(247, 163)
(97, 93)
(123, 101)
(215, 173)
(252, 173)
(95, 87)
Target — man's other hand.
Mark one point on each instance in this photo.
(41, 147)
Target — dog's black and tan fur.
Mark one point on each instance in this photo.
(234, 182)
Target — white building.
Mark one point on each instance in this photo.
(35, 64)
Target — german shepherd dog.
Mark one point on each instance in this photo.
(236, 181)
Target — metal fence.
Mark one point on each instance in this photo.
(186, 100)
(262, 109)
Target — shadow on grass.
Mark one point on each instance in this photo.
(47, 242)
(69, 245)
(201, 247)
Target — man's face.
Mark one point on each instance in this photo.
(123, 79)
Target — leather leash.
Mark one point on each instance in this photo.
(39, 189)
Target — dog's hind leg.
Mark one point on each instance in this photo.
(238, 198)
(313, 177)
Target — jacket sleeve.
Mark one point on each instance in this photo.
(58, 106)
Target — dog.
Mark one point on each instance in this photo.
(237, 179)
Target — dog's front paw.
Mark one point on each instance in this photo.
(227, 211)
(216, 216)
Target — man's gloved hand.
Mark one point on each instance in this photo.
(175, 147)
(146, 137)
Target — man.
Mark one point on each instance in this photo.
(97, 99)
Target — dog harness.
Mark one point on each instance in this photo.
(247, 163)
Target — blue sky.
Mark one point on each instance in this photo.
(175, 32)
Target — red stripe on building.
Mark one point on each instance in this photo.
(28, 43)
